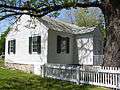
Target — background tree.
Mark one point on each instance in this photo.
(39, 8)
(85, 18)
(2, 41)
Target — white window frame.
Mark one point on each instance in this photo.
(34, 43)
(11, 46)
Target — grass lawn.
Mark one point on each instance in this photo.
(17, 80)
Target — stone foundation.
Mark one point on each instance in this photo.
(23, 67)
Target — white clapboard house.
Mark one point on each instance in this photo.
(33, 42)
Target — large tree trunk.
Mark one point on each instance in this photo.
(112, 48)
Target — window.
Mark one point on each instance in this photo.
(62, 44)
(35, 44)
(11, 46)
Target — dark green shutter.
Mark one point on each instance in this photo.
(59, 38)
(8, 47)
(14, 46)
(67, 44)
(38, 44)
(30, 45)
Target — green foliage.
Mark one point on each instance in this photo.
(2, 63)
(2, 40)
(33, 1)
(54, 14)
(103, 31)
(85, 18)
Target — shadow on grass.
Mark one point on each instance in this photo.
(37, 83)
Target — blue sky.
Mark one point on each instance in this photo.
(4, 24)
(67, 15)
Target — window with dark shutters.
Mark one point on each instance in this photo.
(63, 44)
(12, 46)
(59, 38)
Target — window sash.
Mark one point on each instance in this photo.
(34, 44)
(63, 44)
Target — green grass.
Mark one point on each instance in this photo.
(17, 80)
(1, 63)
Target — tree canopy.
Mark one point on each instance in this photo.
(86, 18)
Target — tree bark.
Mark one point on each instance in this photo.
(111, 10)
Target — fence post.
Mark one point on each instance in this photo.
(43, 71)
(78, 75)
(118, 81)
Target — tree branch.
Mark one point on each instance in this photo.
(43, 10)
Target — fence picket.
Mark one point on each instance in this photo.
(78, 75)
(115, 79)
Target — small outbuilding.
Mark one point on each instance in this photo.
(33, 42)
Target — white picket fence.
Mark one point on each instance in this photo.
(95, 75)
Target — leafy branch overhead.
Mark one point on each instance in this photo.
(39, 8)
